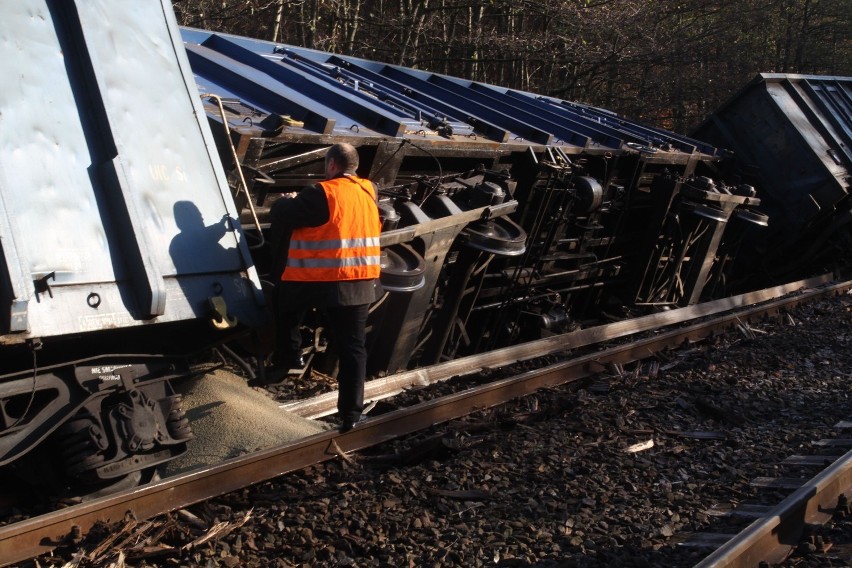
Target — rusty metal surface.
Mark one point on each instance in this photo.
(38, 535)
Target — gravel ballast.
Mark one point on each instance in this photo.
(616, 471)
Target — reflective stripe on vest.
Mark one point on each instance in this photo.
(347, 246)
(344, 243)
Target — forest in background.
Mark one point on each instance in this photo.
(669, 63)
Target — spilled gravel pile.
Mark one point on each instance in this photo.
(230, 418)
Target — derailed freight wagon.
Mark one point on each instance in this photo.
(120, 249)
(791, 137)
(508, 216)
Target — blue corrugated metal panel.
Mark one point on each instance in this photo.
(614, 125)
(368, 85)
(568, 130)
(414, 95)
(600, 132)
(361, 97)
(474, 108)
(333, 95)
(429, 105)
(105, 170)
(644, 132)
(260, 90)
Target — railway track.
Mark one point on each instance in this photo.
(770, 538)
(35, 536)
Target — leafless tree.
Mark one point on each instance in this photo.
(667, 62)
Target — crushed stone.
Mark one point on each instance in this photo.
(229, 418)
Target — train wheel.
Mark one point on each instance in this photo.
(80, 443)
(80, 446)
(132, 480)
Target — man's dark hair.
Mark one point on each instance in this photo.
(345, 156)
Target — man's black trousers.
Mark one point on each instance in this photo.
(348, 330)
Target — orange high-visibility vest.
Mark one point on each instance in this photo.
(347, 246)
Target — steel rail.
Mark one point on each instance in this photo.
(378, 389)
(27, 539)
(771, 538)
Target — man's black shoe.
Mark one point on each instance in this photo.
(277, 372)
(348, 424)
(292, 364)
(296, 363)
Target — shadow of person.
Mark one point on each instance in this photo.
(213, 273)
(205, 268)
(196, 249)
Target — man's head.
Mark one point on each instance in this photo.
(341, 159)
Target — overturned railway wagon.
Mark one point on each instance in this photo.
(139, 161)
(791, 137)
(508, 216)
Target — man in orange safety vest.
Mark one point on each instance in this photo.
(333, 263)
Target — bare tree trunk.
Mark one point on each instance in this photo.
(278, 14)
(413, 14)
(352, 30)
(802, 42)
(312, 24)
